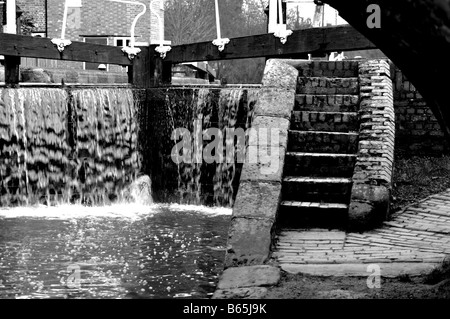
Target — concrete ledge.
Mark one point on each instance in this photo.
(264, 164)
(240, 293)
(273, 101)
(256, 206)
(249, 241)
(257, 200)
(387, 270)
(266, 128)
(280, 74)
(252, 276)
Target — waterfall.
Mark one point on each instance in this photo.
(198, 110)
(85, 145)
(66, 145)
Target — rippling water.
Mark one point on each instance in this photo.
(119, 251)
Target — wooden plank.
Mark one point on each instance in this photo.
(139, 73)
(329, 39)
(12, 71)
(27, 46)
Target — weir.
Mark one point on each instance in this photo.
(86, 145)
(66, 145)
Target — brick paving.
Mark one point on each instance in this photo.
(418, 234)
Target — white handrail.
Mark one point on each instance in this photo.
(162, 49)
(63, 29)
(133, 25)
(219, 42)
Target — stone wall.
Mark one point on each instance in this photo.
(39, 75)
(372, 178)
(36, 8)
(256, 206)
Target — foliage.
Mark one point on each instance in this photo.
(190, 21)
(296, 22)
(27, 23)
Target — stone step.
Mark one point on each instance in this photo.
(325, 121)
(327, 103)
(295, 214)
(323, 142)
(327, 86)
(319, 164)
(341, 69)
(317, 189)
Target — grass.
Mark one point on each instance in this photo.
(417, 177)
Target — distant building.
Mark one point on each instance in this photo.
(97, 21)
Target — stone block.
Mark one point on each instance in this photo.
(267, 130)
(369, 206)
(241, 293)
(264, 163)
(249, 242)
(257, 199)
(35, 75)
(280, 74)
(251, 276)
(275, 102)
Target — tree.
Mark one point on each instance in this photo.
(27, 23)
(243, 19)
(296, 22)
(189, 21)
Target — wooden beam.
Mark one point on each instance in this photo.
(139, 73)
(160, 69)
(12, 71)
(329, 39)
(33, 47)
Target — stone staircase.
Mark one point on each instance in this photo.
(322, 147)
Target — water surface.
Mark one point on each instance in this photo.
(118, 251)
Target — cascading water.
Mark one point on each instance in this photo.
(84, 145)
(62, 145)
(198, 111)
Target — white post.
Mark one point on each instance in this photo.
(11, 26)
(161, 23)
(272, 15)
(280, 12)
(63, 29)
(218, 20)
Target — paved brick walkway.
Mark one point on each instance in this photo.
(418, 234)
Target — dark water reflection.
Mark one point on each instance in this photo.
(160, 252)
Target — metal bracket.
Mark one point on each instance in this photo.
(283, 35)
(61, 43)
(162, 50)
(131, 52)
(220, 43)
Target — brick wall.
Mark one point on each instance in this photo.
(99, 17)
(36, 8)
(96, 17)
(417, 130)
(372, 177)
(2, 19)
